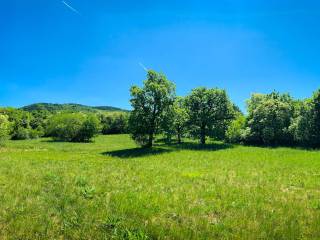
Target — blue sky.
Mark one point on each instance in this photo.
(50, 53)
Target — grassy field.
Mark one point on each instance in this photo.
(109, 189)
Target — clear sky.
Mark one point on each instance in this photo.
(88, 51)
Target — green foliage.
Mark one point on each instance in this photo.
(4, 129)
(269, 118)
(149, 104)
(39, 121)
(208, 110)
(70, 107)
(306, 124)
(90, 128)
(20, 124)
(236, 130)
(175, 120)
(73, 127)
(115, 123)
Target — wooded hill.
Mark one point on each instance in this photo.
(69, 107)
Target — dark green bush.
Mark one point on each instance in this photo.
(236, 130)
(73, 127)
(4, 128)
(116, 123)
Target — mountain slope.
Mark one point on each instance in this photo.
(70, 107)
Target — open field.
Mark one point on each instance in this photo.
(109, 189)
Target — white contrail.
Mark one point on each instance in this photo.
(144, 68)
(71, 8)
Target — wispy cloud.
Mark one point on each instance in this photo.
(144, 68)
(70, 7)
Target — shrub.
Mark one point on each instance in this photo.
(114, 124)
(4, 128)
(20, 133)
(89, 128)
(20, 122)
(236, 130)
(73, 127)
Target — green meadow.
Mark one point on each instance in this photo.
(110, 189)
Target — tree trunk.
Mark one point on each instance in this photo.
(179, 138)
(150, 140)
(203, 134)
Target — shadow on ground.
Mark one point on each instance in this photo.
(136, 152)
(165, 148)
(63, 141)
(197, 146)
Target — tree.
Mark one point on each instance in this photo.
(269, 118)
(180, 118)
(175, 120)
(306, 124)
(207, 109)
(20, 120)
(149, 105)
(4, 128)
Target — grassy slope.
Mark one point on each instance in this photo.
(52, 190)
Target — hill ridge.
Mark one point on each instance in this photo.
(55, 107)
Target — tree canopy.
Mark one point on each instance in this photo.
(149, 105)
(207, 108)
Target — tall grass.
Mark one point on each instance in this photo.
(110, 189)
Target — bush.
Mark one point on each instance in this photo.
(20, 123)
(73, 127)
(4, 128)
(20, 133)
(89, 128)
(236, 130)
(114, 124)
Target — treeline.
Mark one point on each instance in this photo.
(272, 119)
(18, 124)
(278, 119)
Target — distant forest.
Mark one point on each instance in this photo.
(72, 107)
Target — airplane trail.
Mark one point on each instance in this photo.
(144, 68)
(70, 7)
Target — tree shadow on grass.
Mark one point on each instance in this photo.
(136, 152)
(142, 152)
(193, 145)
(50, 140)
(196, 146)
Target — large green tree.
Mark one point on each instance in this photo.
(207, 109)
(150, 104)
(269, 118)
(306, 124)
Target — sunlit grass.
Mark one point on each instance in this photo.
(112, 189)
